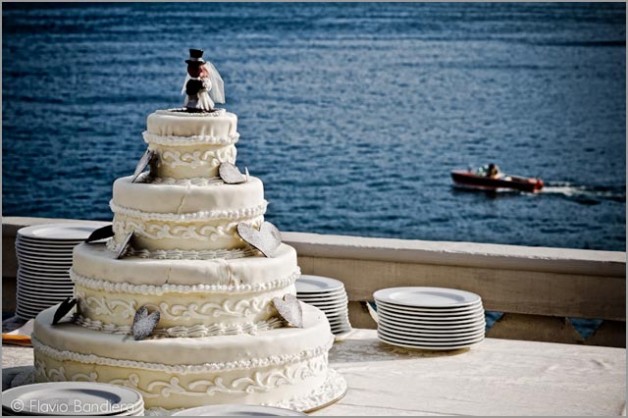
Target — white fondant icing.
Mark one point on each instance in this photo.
(186, 198)
(277, 360)
(269, 367)
(166, 123)
(145, 289)
(171, 140)
(132, 274)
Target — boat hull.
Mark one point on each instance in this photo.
(469, 179)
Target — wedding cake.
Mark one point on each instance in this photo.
(178, 253)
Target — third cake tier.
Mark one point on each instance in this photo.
(194, 297)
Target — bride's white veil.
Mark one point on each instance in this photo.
(217, 93)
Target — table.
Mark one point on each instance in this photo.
(497, 377)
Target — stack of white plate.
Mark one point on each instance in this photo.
(233, 410)
(429, 318)
(329, 296)
(72, 398)
(44, 258)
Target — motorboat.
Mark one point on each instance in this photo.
(483, 179)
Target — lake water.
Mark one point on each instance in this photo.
(353, 115)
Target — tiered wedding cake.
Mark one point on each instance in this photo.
(219, 338)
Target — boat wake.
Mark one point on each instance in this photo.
(586, 195)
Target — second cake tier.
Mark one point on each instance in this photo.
(194, 297)
(186, 216)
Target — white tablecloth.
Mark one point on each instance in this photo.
(498, 377)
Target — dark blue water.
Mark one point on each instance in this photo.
(352, 114)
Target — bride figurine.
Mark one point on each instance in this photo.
(203, 85)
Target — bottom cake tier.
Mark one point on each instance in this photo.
(284, 367)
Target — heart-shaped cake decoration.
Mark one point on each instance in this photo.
(230, 174)
(144, 323)
(122, 249)
(290, 309)
(266, 240)
(149, 157)
(64, 308)
(100, 234)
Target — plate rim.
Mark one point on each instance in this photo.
(383, 294)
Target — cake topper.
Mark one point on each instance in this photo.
(64, 308)
(290, 309)
(230, 174)
(144, 323)
(203, 85)
(266, 240)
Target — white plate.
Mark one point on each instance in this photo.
(427, 297)
(415, 314)
(420, 337)
(405, 340)
(33, 304)
(43, 273)
(71, 231)
(429, 347)
(38, 259)
(317, 284)
(431, 317)
(325, 305)
(39, 296)
(334, 310)
(44, 277)
(45, 269)
(427, 329)
(39, 249)
(44, 256)
(45, 247)
(334, 292)
(27, 284)
(458, 322)
(114, 399)
(429, 310)
(231, 410)
(325, 298)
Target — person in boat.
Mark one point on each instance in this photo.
(493, 171)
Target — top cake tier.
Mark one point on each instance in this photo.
(192, 145)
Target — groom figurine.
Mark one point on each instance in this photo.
(203, 84)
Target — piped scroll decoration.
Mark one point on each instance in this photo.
(230, 174)
(290, 309)
(267, 239)
(144, 323)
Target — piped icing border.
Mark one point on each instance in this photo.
(205, 310)
(194, 181)
(192, 231)
(65, 355)
(195, 331)
(151, 138)
(185, 254)
(206, 215)
(197, 158)
(149, 289)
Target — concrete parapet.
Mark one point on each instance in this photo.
(526, 283)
